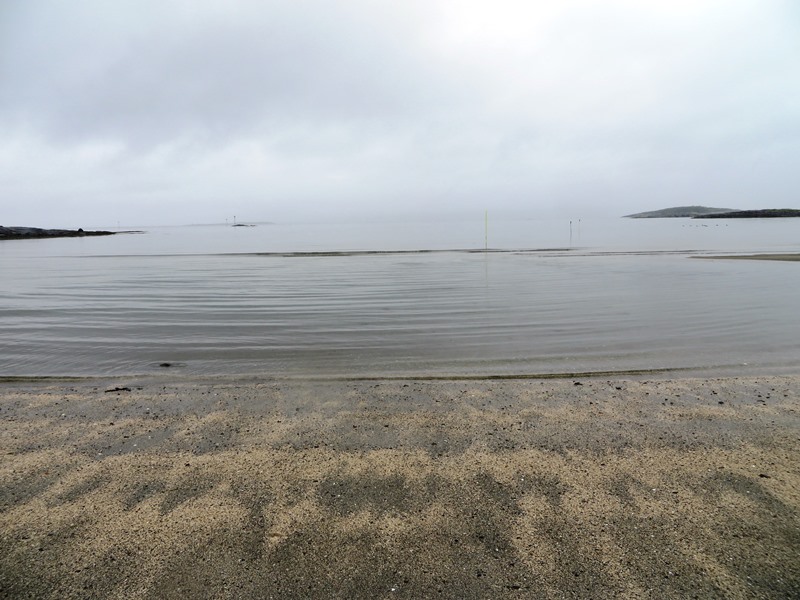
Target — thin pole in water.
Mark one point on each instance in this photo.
(570, 233)
(486, 231)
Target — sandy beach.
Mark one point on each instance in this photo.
(568, 488)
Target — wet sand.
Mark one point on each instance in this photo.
(781, 257)
(585, 488)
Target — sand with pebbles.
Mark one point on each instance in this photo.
(589, 488)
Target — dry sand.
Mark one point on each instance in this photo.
(589, 488)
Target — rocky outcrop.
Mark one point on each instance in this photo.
(31, 233)
(767, 213)
(679, 212)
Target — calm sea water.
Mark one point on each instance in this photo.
(303, 300)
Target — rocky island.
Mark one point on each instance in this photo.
(679, 212)
(30, 233)
(708, 212)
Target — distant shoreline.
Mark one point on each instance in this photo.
(707, 212)
(767, 213)
(36, 233)
(679, 212)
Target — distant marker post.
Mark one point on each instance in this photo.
(486, 231)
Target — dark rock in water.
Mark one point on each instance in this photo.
(165, 364)
(32, 233)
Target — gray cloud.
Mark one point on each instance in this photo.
(317, 108)
(200, 74)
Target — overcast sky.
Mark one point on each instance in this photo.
(192, 111)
